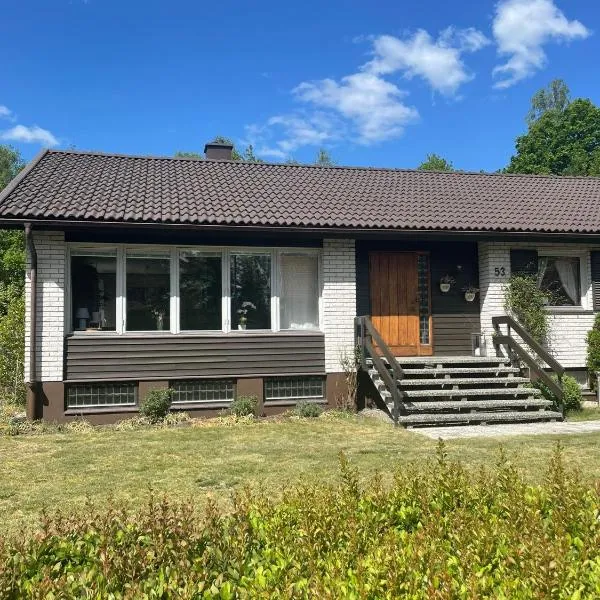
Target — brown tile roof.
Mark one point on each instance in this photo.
(77, 186)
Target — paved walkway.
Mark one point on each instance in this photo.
(468, 431)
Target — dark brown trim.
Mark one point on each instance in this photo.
(361, 232)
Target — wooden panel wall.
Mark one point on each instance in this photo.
(180, 356)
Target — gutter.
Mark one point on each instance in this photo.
(32, 399)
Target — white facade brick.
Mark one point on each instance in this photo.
(51, 251)
(568, 331)
(339, 301)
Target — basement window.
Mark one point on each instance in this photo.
(199, 391)
(96, 395)
(294, 388)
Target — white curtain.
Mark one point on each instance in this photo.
(299, 292)
(567, 273)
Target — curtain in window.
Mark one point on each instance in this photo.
(567, 273)
(542, 266)
(299, 292)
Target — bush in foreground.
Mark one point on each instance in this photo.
(436, 532)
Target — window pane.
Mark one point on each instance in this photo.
(147, 294)
(250, 291)
(299, 302)
(200, 287)
(559, 278)
(94, 292)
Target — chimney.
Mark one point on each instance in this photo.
(218, 151)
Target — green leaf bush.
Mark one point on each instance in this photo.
(524, 301)
(156, 405)
(244, 406)
(308, 409)
(573, 396)
(436, 532)
(593, 351)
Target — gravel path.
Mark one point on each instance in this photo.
(469, 431)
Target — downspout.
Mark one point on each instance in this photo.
(32, 397)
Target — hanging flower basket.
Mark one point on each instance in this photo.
(470, 293)
(446, 282)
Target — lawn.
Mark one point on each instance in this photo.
(61, 470)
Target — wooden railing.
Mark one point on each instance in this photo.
(514, 349)
(366, 334)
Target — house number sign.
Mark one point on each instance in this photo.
(500, 271)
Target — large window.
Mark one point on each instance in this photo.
(299, 297)
(251, 291)
(157, 289)
(93, 291)
(147, 293)
(200, 290)
(559, 277)
(93, 395)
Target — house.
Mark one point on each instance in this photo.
(221, 278)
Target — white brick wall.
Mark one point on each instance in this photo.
(51, 250)
(567, 340)
(339, 301)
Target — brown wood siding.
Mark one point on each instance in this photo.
(454, 319)
(183, 356)
(452, 333)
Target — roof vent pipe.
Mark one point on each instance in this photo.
(218, 151)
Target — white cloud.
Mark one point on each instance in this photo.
(373, 105)
(29, 135)
(521, 28)
(439, 61)
(6, 113)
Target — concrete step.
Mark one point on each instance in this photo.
(433, 372)
(482, 392)
(406, 383)
(485, 405)
(420, 420)
(440, 361)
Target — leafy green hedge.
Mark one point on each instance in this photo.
(436, 532)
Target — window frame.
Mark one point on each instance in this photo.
(583, 278)
(174, 253)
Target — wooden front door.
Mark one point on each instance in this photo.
(400, 302)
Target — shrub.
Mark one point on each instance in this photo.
(593, 351)
(438, 531)
(572, 393)
(527, 303)
(12, 343)
(244, 406)
(156, 405)
(308, 409)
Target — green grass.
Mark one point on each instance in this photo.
(591, 413)
(61, 470)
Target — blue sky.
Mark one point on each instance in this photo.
(376, 83)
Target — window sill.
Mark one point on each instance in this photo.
(294, 401)
(168, 334)
(185, 406)
(101, 410)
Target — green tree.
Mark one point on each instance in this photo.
(183, 154)
(555, 97)
(324, 159)
(435, 162)
(12, 281)
(561, 142)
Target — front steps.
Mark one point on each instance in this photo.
(462, 390)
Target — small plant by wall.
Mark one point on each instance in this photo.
(593, 352)
(156, 405)
(572, 393)
(524, 301)
(308, 409)
(349, 364)
(244, 406)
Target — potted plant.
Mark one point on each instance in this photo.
(243, 312)
(446, 282)
(470, 292)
